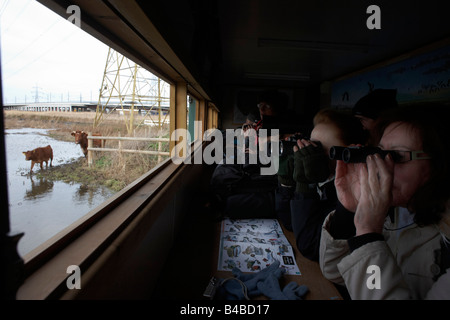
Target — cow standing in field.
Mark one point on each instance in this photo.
(39, 155)
(82, 140)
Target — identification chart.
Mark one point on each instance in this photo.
(254, 244)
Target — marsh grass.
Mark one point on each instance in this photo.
(113, 170)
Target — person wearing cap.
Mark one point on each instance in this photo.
(270, 103)
(370, 107)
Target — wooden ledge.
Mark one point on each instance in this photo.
(83, 242)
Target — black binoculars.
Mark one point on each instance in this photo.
(357, 154)
(286, 146)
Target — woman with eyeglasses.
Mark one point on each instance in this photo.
(389, 235)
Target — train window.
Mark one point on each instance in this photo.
(59, 86)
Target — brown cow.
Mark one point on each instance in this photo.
(39, 155)
(82, 140)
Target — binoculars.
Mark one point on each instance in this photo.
(286, 146)
(358, 154)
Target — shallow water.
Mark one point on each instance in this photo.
(37, 206)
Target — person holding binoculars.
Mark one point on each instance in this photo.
(393, 211)
(308, 174)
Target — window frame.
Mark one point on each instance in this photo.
(132, 35)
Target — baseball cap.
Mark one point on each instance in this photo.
(374, 103)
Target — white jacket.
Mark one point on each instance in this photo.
(405, 260)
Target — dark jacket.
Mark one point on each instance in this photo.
(308, 212)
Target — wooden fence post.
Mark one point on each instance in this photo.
(90, 145)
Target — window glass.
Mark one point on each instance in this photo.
(59, 84)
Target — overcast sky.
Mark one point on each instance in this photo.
(41, 49)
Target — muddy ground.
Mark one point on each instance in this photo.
(112, 170)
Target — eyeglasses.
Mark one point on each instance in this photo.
(356, 154)
(401, 156)
(263, 105)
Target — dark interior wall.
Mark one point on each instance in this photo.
(191, 30)
(303, 102)
(130, 267)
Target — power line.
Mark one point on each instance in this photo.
(32, 43)
(7, 77)
(3, 8)
(20, 13)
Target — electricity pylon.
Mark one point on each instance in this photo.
(128, 88)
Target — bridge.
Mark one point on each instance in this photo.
(80, 107)
(51, 106)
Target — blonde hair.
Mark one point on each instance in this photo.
(350, 129)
